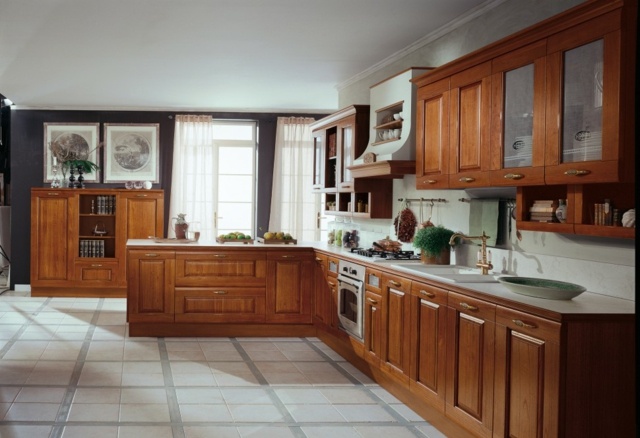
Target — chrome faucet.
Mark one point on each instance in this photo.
(484, 263)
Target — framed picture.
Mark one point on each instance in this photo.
(131, 152)
(78, 141)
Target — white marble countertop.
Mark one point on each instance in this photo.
(587, 303)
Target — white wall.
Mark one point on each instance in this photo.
(605, 266)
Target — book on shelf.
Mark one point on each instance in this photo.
(541, 209)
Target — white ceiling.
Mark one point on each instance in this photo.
(231, 55)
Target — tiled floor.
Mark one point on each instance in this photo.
(68, 369)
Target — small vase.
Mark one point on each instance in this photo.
(561, 211)
(80, 180)
(444, 258)
(56, 181)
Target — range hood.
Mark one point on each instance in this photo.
(391, 149)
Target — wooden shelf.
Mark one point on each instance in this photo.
(384, 169)
(390, 125)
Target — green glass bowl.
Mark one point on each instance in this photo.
(541, 288)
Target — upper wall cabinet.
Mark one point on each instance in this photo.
(552, 104)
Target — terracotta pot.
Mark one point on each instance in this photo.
(444, 258)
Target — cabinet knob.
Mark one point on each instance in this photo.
(466, 306)
(220, 256)
(220, 292)
(576, 172)
(514, 176)
(466, 179)
(427, 294)
(523, 324)
(372, 301)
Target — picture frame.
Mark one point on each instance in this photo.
(81, 138)
(131, 152)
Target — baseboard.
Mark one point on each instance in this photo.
(22, 288)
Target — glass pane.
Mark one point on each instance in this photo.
(234, 131)
(235, 188)
(235, 160)
(317, 158)
(234, 216)
(347, 153)
(518, 117)
(582, 112)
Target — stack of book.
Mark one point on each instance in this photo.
(543, 211)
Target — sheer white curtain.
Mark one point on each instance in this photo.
(194, 165)
(294, 207)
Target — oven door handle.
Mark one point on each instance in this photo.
(357, 285)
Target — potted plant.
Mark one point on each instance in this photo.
(434, 243)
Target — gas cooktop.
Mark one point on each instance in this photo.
(377, 255)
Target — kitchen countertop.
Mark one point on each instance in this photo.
(587, 303)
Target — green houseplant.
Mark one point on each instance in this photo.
(434, 243)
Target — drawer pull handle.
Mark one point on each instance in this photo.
(288, 256)
(318, 259)
(140, 195)
(331, 283)
(466, 179)
(372, 301)
(394, 283)
(466, 306)
(514, 176)
(53, 193)
(576, 172)
(151, 255)
(427, 294)
(220, 256)
(431, 181)
(220, 292)
(523, 324)
(96, 265)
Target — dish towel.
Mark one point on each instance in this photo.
(483, 216)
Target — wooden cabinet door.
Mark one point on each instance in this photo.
(432, 136)
(469, 122)
(215, 305)
(321, 292)
(428, 343)
(588, 99)
(150, 286)
(289, 287)
(527, 376)
(373, 327)
(225, 268)
(332, 281)
(517, 117)
(396, 326)
(470, 363)
(98, 273)
(54, 216)
(144, 214)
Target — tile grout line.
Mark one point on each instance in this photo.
(10, 343)
(65, 406)
(175, 417)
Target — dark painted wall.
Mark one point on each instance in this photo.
(26, 143)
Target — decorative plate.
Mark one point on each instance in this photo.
(542, 288)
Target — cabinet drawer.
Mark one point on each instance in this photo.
(373, 280)
(232, 304)
(97, 273)
(221, 268)
(397, 283)
(429, 293)
(528, 324)
(472, 306)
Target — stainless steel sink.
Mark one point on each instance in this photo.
(448, 273)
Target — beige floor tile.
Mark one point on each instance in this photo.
(94, 412)
(315, 414)
(29, 411)
(92, 431)
(145, 432)
(190, 355)
(199, 395)
(239, 379)
(256, 413)
(364, 413)
(210, 413)
(229, 367)
(384, 432)
(330, 432)
(347, 396)
(264, 345)
(246, 396)
(97, 395)
(266, 355)
(222, 355)
(8, 394)
(25, 431)
(194, 380)
(332, 378)
(100, 379)
(297, 355)
(143, 395)
(265, 431)
(291, 378)
(211, 432)
(41, 395)
(298, 396)
(185, 367)
(141, 412)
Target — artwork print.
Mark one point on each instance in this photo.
(131, 152)
(72, 141)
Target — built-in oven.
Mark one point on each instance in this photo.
(351, 298)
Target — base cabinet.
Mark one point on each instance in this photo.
(396, 329)
(151, 283)
(321, 292)
(289, 287)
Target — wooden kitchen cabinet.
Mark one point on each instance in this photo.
(396, 326)
(289, 286)
(470, 362)
(78, 238)
(527, 375)
(322, 292)
(220, 304)
(333, 264)
(151, 284)
(517, 117)
(469, 124)
(428, 343)
(432, 135)
(373, 314)
(53, 225)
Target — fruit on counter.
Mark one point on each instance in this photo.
(279, 235)
(269, 235)
(235, 235)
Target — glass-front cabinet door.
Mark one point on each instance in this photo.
(517, 155)
(318, 160)
(346, 133)
(584, 133)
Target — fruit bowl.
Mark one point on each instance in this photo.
(223, 240)
(234, 237)
(276, 241)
